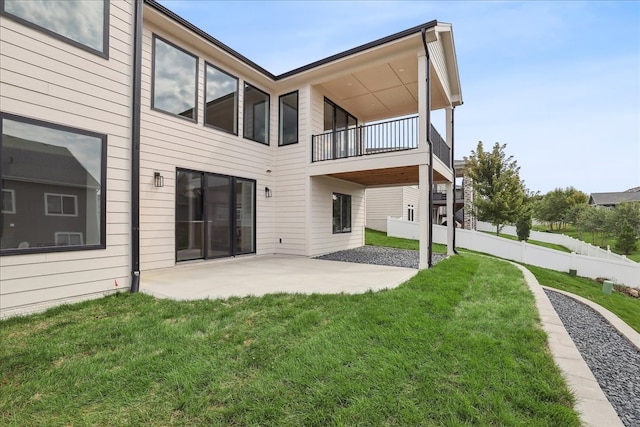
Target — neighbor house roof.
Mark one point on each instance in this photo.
(32, 161)
(612, 199)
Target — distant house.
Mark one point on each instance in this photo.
(402, 202)
(613, 199)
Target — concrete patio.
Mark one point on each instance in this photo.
(269, 274)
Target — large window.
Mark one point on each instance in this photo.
(256, 114)
(59, 174)
(341, 213)
(288, 119)
(215, 215)
(175, 76)
(221, 104)
(83, 23)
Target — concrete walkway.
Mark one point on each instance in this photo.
(591, 402)
(269, 274)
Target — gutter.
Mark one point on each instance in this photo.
(453, 167)
(428, 128)
(135, 147)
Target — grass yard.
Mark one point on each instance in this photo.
(459, 344)
(625, 307)
(380, 238)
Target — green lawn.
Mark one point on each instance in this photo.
(587, 237)
(625, 307)
(379, 238)
(459, 344)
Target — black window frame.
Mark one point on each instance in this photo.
(236, 103)
(268, 121)
(281, 119)
(155, 37)
(105, 30)
(341, 197)
(103, 187)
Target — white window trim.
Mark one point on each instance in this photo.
(46, 205)
(13, 201)
(59, 234)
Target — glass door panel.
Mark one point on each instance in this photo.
(218, 216)
(189, 223)
(245, 216)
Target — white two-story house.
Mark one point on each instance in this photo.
(192, 152)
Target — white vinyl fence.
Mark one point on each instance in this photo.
(622, 272)
(574, 245)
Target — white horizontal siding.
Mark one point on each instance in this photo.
(169, 142)
(381, 203)
(290, 192)
(47, 79)
(322, 238)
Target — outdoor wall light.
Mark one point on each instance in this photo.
(158, 180)
(267, 192)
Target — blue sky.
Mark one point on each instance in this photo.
(558, 82)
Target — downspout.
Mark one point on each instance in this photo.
(428, 129)
(453, 167)
(135, 147)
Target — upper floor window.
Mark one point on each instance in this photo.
(256, 114)
(83, 23)
(221, 104)
(175, 76)
(59, 174)
(8, 201)
(288, 119)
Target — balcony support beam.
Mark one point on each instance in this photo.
(423, 215)
(451, 218)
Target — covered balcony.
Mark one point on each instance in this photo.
(377, 138)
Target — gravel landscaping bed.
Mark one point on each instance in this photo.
(380, 256)
(613, 359)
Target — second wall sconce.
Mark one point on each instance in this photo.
(158, 180)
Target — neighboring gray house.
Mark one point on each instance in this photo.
(613, 199)
(402, 202)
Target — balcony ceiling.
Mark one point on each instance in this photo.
(405, 175)
(387, 89)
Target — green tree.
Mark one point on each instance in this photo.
(496, 182)
(557, 206)
(625, 222)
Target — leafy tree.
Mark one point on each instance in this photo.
(625, 222)
(556, 207)
(496, 181)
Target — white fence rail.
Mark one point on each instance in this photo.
(574, 245)
(623, 272)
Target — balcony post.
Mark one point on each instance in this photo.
(451, 218)
(423, 214)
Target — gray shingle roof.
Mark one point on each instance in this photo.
(610, 199)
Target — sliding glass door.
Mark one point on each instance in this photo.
(215, 215)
